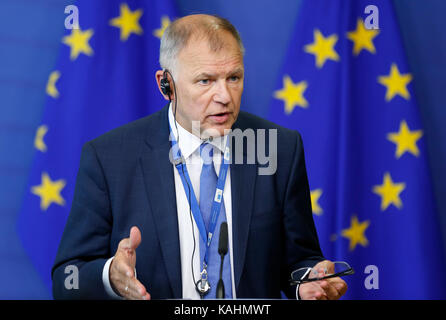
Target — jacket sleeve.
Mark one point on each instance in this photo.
(302, 243)
(86, 239)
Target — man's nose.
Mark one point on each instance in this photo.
(222, 93)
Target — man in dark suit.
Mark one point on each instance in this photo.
(128, 181)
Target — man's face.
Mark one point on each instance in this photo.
(209, 84)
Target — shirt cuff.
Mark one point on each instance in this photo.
(106, 280)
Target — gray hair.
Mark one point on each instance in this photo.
(178, 33)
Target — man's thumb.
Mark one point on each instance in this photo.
(135, 238)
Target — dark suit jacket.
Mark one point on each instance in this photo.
(126, 179)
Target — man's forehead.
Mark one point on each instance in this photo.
(197, 56)
(209, 65)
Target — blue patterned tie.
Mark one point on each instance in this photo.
(208, 183)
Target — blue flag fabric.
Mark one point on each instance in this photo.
(105, 77)
(349, 91)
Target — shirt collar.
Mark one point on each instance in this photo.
(188, 142)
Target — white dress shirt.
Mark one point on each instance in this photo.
(189, 145)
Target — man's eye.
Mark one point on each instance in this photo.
(234, 78)
(204, 81)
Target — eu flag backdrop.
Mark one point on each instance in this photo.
(349, 91)
(105, 77)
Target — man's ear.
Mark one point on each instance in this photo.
(159, 75)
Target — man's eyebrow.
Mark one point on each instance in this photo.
(207, 75)
(204, 75)
(236, 71)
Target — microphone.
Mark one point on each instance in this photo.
(222, 251)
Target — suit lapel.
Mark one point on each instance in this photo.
(159, 182)
(243, 178)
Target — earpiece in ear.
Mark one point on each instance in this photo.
(165, 85)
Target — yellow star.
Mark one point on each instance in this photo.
(128, 21)
(356, 233)
(39, 144)
(49, 192)
(78, 42)
(323, 48)
(396, 83)
(165, 22)
(405, 140)
(292, 94)
(389, 192)
(315, 195)
(51, 89)
(362, 38)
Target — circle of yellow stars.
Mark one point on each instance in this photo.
(323, 49)
(128, 22)
(293, 94)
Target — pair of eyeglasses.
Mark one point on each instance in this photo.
(304, 275)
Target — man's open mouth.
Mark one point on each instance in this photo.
(220, 117)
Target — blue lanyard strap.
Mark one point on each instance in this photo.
(180, 164)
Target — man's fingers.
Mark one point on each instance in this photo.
(312, 291)
(135, 238)
(326, 265)
(330, 290)
(124, 282)
(131, 288)
(122, 279)
(334, 288)
(339, 284)
(135, 290)
(319, 294)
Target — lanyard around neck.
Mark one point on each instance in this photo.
(180, 164)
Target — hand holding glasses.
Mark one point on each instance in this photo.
(304, 275)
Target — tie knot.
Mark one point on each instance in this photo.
(206, 152)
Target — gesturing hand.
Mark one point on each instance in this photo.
(122, 275)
